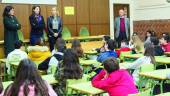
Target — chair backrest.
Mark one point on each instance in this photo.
(122, 54)
(147, 68)
(66, 33)
(20, 35)
(144, 93)
(84, 32)
(45, 37)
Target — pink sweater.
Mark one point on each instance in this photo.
(51, 92)
(118, 83)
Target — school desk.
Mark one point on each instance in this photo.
(86, 88)
(164, 94)
(49, 78)
(88, 46)
(157, 75)
(167, 54)
(6, 84)
(99, 37)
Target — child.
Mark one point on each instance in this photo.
(137, 44)
(148, 58)
(76, 46)
(1, 89)
(28, 82)
(105, 39)
(109, 51)
(16, 55)
(56, 57)
(115, 81)
(149, 34)
(39, 52)
(165, 34)
(124, 47)
(157, 48)
(165, 43)
(68, 69)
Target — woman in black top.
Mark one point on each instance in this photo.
(37, 25)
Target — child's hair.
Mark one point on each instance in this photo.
(27, 74)
(150, 32)
(154, 41)
(18, 44)
(111, 44)
(111, 65)
(71, 65)
(166, 33)
(60, 45)
(39, 42)
(125, 41)
(106, 38)
(139, 45)
(166, 38)
(149, 51)
(1, 87)
(76, 46)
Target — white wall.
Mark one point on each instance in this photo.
(111, 2)
(151, 10)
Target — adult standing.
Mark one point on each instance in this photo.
(122, 27)
(54, 26)
(11, 26)
(37, 25)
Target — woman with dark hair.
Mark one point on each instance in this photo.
(68, 69)
(115, 81)
(109, 47)
(11, 26)
(37, 24)
(28, 82)
(54, 26)
(76, 46)
(148, 58)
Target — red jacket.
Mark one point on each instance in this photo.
(118, 83)
(166, 47)
(125, 49)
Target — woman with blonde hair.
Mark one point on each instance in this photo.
(54, 26)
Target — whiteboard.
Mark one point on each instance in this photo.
(49, 2)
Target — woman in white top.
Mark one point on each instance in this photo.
(148, 58)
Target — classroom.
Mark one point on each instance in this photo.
(84, 48)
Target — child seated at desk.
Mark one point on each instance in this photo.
(57, 55)
(39, 52)
(76, 46)
(109, 48)
(158, 51)
(165, 43)
(105, 39)
(115, 81)
(124, 47)
(16, 55)
(68, 69)
(148, 58)
(1, 89)
(28, 82)
(138, 45)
